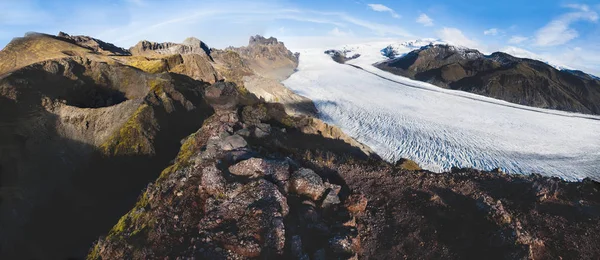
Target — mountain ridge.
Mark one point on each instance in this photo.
(499, 75)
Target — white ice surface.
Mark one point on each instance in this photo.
(438, 128)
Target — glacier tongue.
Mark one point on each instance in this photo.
(398, 117)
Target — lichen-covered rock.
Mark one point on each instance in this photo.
(258, 167)
(232, 142)
(212, 180)
(251, 223)
(307, 183)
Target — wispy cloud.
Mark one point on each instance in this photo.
(559, 30)
(456, 36)
(517, 39)
(339, 33)
(383, 8)
(379, 29)
(255, 19)
(492, 31)
(425, 20)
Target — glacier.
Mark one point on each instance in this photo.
(439, 128)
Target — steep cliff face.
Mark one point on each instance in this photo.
(189, 46)
(269, 58)
(260, 67)
(501, 76)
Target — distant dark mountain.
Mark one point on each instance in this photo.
(500, 75)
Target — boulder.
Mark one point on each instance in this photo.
(222, 96)
(212, 180)
(258, 167)
(307, 183)
(232, 142)
(262, 130)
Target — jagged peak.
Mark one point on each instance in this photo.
(258, 39)
(94, 44)
(189, 45)
(464, 52)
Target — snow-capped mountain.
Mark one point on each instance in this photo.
(441, 128)
(522, 53)
(396, 49)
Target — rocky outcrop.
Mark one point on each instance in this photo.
(191, 58)
(228, 199)
(268, 58)
(94, 44)
(259, 68)
(341, 56)
(499, 75)
(189, 46)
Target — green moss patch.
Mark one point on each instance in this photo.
(133, 137)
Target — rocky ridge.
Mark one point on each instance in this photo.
(76, 120)
(258, 68)
(231, 197)
(95, 44)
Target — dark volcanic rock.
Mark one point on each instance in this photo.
(499, 75)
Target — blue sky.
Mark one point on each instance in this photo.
(563, 32)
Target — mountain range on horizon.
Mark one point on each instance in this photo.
(179, 150)
(500, 75)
